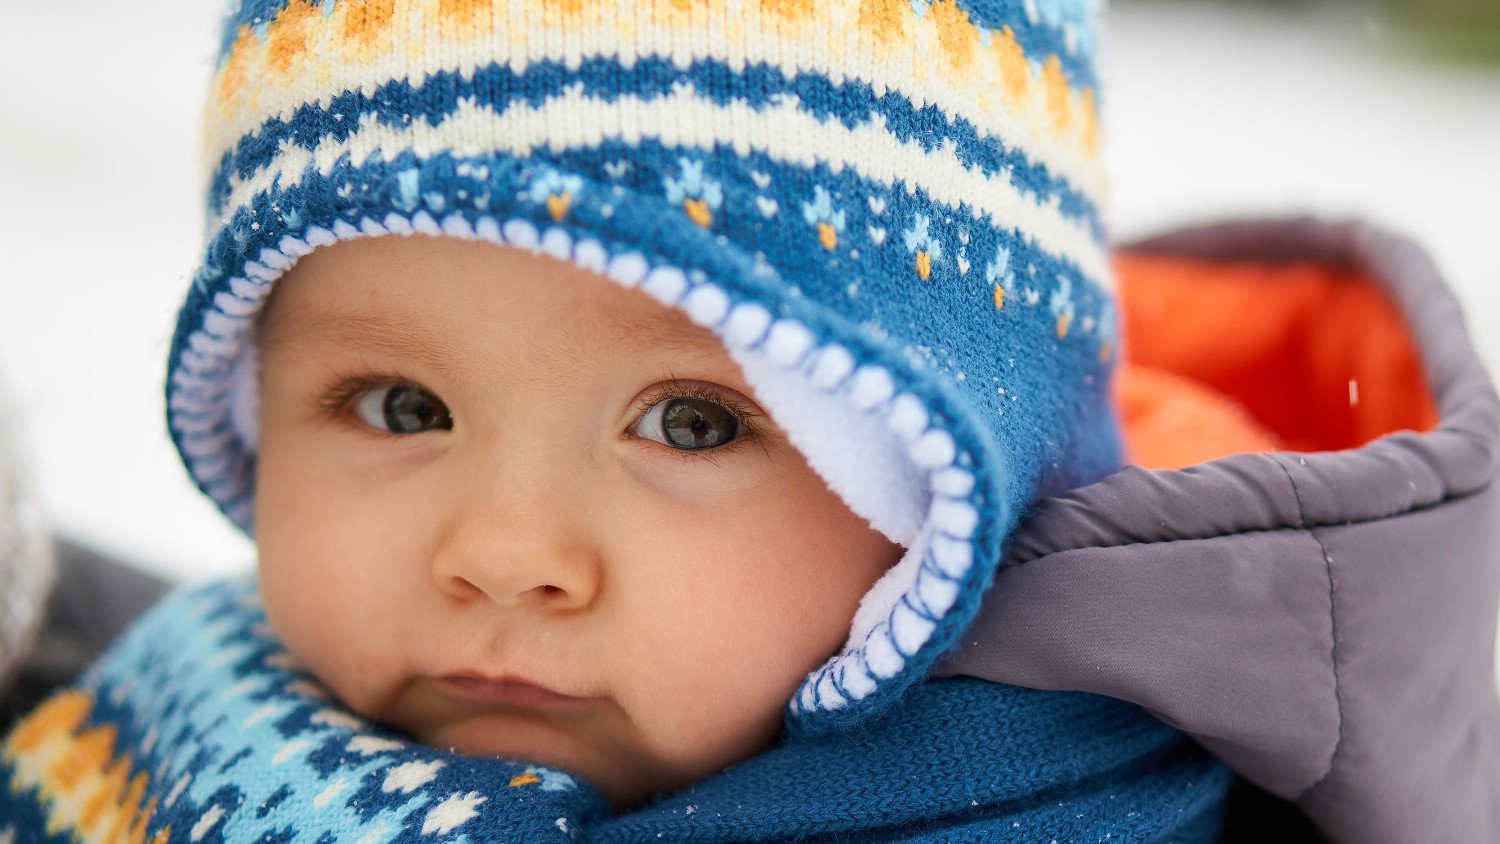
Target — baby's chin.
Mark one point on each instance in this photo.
(623, 774)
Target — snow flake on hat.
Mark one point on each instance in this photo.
(998, 274)
(408, 190)
(698, 195)
(1106, 331)
(556, 190)
(920, 242)
(1061, 305)
(821, 215)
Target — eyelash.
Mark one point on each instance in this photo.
(678, 390)
(338, 399)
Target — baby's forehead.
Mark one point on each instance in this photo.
(410, 294)
(658, 327)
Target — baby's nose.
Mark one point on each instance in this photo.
(517, 560)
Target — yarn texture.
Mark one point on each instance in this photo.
(198, 726)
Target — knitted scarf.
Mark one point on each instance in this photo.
(198, 726)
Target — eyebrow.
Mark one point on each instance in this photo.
(656, 332)
(664, 329)
(390, 337)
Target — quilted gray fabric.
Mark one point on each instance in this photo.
(1323, 621)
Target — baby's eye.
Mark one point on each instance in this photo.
(403, 409)
(690, 423)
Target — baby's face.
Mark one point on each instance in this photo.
(514, 509)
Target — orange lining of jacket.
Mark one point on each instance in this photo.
(1226, 357)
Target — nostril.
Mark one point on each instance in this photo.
(544, 594)
(465, 585)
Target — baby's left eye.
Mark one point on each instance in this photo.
(689, 423)
(403, 408)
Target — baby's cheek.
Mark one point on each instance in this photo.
(355, 675)
(312, 611)
(714, 729)
(720, 699)
(770, 596)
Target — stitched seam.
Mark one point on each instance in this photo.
(1333, 631)
(1006, 566)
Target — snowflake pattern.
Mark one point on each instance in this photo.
(1106, 330)
(311, 772)
(997, 273)
(821, 215)
(921, 243)
(698, 195)
(556, 190)
(1061, 306)
(452, 813)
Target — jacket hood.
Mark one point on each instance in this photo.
(1318, 609)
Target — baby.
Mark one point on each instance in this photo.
(513, 508)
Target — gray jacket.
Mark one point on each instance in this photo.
(1324, 622)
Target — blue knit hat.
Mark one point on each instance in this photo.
(886, 209)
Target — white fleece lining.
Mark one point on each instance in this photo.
(855, 453)
(873, 446)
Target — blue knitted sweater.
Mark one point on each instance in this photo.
(196, 727)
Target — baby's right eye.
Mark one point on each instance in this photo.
(403, 408)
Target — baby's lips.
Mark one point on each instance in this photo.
(508, 691)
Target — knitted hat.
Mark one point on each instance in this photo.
(886, 209)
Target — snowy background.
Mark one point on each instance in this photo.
(1211, 111)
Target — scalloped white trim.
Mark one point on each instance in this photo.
(877, 449)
